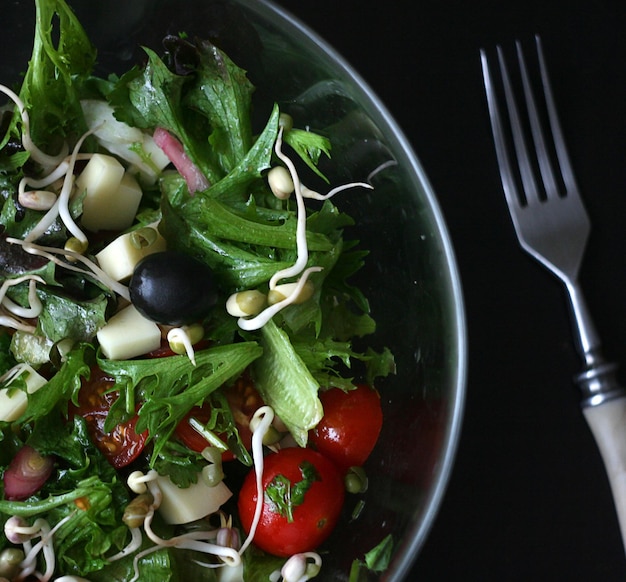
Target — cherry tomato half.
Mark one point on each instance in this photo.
(316, 490)
(122, 445)
(350, 427)
(244, 400)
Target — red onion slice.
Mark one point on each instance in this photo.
(26, 474)
(173, 149)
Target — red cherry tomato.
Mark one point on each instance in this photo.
(122, 445)
(244, 400)
(350, 427)
(314, 514)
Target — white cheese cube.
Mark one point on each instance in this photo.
(182, 505)
(112, 196)
(118, 258)
(128, 334)
(99, 182)
(13, 402)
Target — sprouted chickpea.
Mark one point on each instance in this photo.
(298, 568)
(37, 199)
(181, 340)
(280, 182)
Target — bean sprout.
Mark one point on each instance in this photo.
(95, 271)
(34, 308)
(61, 207)
(301, 244)
(265, 416)
(19, 532)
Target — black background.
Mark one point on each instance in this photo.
(528, 498)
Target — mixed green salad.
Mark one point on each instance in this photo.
(176, 314)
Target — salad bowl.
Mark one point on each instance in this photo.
(410, 277)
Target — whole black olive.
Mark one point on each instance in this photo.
(172, 288)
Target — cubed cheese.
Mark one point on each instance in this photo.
(118, 258)
(128, 334)
(111, 195)
(182, 505)
(13, 402)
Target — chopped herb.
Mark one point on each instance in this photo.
(285, 495)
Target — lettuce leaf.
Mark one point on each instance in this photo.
(61, 52)
(286, 384)
(169, 387)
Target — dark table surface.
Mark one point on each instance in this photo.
(528, 498)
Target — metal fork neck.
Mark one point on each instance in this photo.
(588, 339)
(598, 382)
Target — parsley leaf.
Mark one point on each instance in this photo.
(376, 560)
(284, 496)
(180, 463)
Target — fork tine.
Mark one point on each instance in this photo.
(519, 141)
(557, 133)
(506, 170)
(543, 158)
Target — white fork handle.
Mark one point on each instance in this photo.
(607, 422)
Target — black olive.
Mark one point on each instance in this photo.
(173, 288)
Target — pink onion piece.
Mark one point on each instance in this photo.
(174, 150)
(26, 474)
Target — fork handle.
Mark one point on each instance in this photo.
(603, 404)
(607, 422)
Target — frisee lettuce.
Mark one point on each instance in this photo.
(61, 51)
(169, 387)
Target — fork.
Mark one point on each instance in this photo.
(553, 227)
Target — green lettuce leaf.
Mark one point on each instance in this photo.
(309, 146)
(61, 387)
(224, 96)
(286, 384)
(169, 387)
(61, 52)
